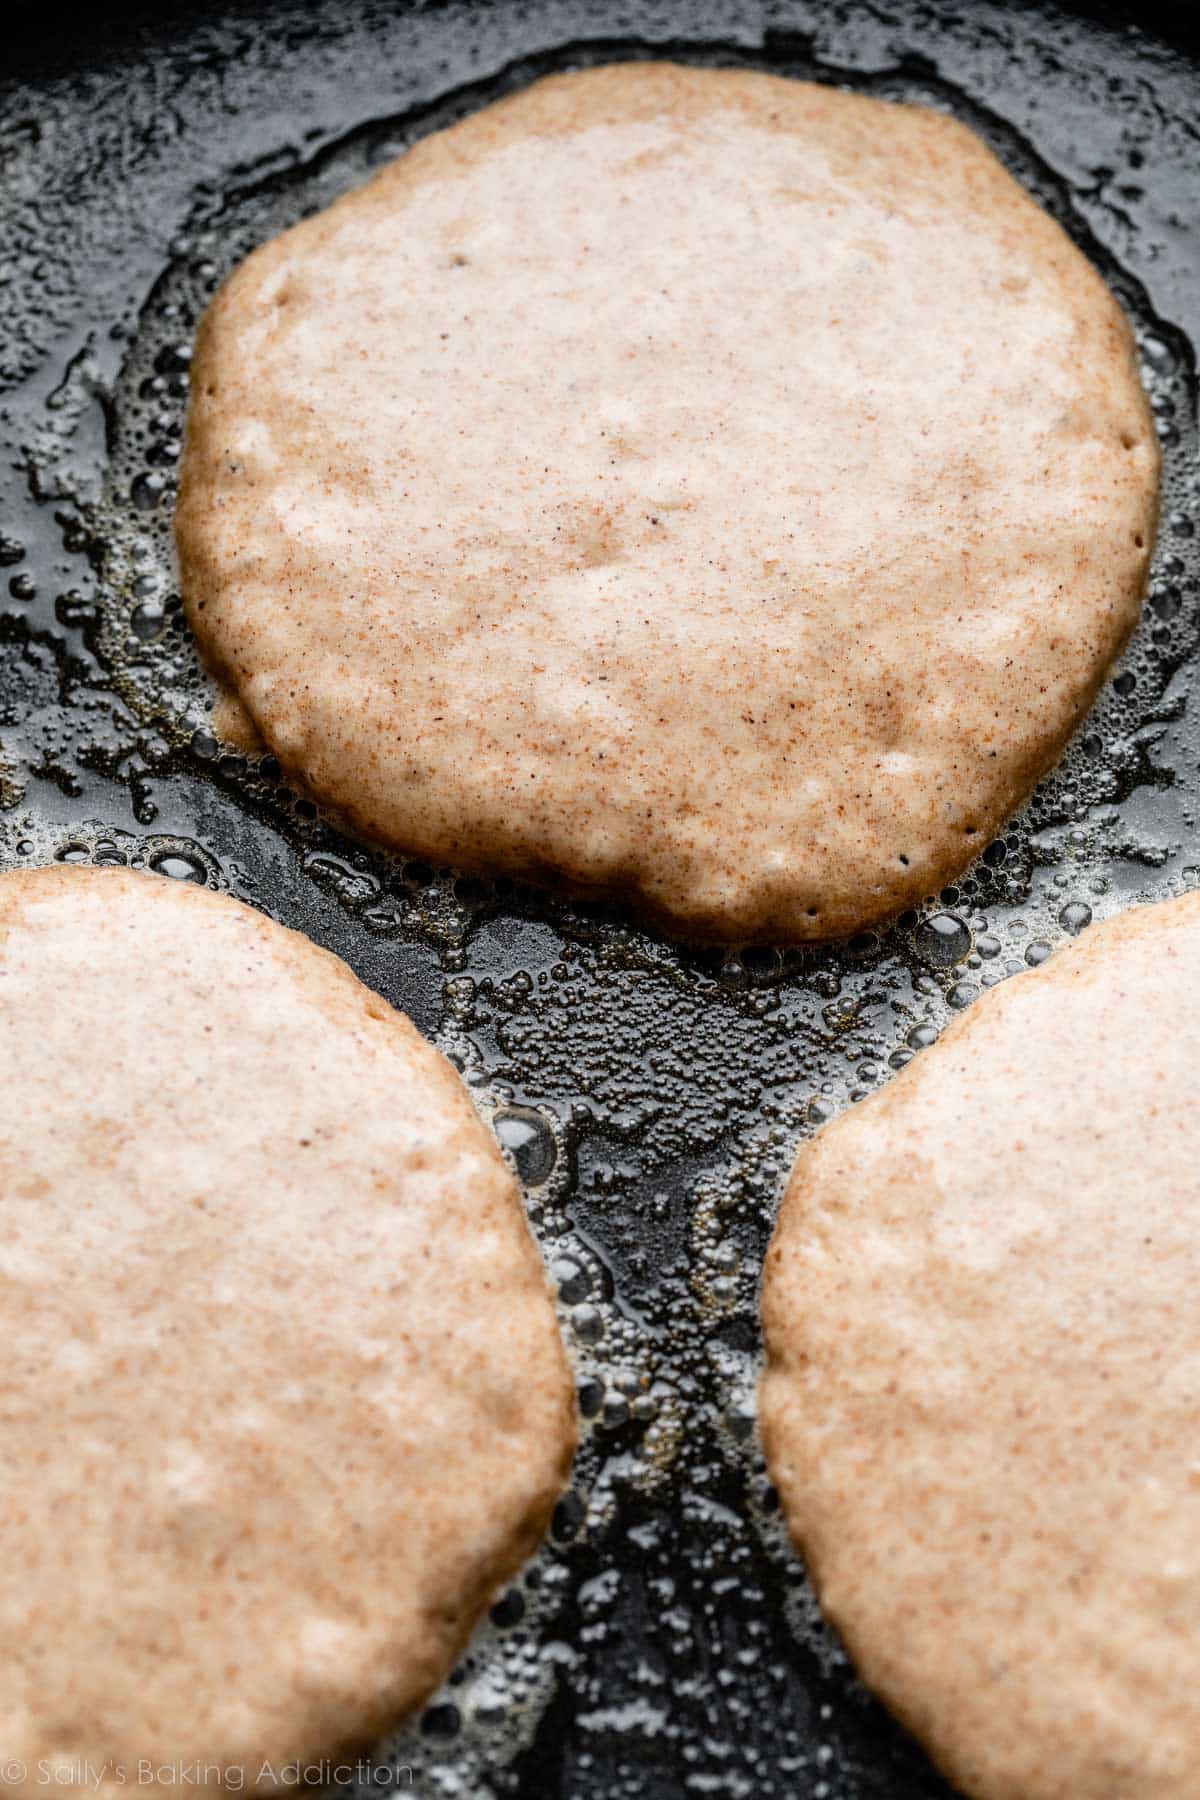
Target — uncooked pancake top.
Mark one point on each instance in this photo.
(982, 1404)
(283, 1397)
(715, 488)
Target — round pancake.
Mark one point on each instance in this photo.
(982, 1400)
(687, 483)
(284, 1398)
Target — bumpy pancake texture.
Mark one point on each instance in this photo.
(283, 1396)
(982, 1401)
(689, 483)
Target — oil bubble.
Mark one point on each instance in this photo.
(178, 867)
(942, 939)
(1075, 917)
(530, 1143)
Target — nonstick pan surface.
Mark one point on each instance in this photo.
(665, 1642)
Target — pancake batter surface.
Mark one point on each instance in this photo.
(284, 1399)
(692, 484)
(982, 1400)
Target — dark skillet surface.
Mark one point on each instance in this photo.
(668, 1643)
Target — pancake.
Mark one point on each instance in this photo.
(689, 484)
(284, 1399)
(982, 1399)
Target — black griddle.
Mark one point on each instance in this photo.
(665, 1642)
